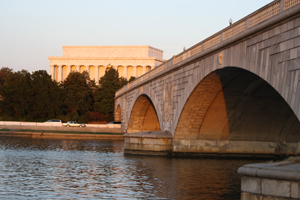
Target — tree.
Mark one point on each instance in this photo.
(132, 78)
(47, 95)
(122, 81)
(4, 72)
(16, 94)
(104, 97)
(30, 97)
(78, 98)
(36, 97)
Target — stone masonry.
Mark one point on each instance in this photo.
(238, 96)
(270, 181)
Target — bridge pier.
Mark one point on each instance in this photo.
(270, 181)
(234, 148)
(156, 143)
(159, 143)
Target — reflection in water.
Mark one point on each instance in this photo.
(50, 169)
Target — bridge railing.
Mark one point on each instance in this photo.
(290, 3)
(240, 26)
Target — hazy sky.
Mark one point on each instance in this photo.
(32, 30)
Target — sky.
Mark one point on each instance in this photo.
(32, 30)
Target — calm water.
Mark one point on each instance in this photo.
(70, 169)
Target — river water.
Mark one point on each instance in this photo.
(76, 169)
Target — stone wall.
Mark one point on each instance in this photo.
(148, 143)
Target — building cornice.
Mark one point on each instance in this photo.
(111, 46)
(117, 46)
(103, 58)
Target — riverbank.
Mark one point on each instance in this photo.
(47, 134)
(44, 127)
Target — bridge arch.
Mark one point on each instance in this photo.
(143, 116)
(235, 104)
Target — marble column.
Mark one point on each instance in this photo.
(56, 72)
(52, 72)
(87, 68)
(60, 73)
(78, 68)
(96, 74)
(144, 70)
(134, 71)
(68, 70)
(125, 72)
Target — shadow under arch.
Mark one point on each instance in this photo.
(143, 116)
(236, 105)
(118, 114)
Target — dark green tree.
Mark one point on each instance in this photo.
(30, 97)
(132, 78)
(122, 81)
(48, 96)
(36, 97)
(4, 72)
(78, 99)
(17, 95)
(104, 96)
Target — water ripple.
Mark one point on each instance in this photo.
(71, 169)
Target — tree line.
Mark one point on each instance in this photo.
(36, 97)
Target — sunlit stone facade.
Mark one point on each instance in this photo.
(128, 60)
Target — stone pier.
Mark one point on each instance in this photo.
(156, 143)
(270, 181)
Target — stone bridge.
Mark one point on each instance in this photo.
(236, 92)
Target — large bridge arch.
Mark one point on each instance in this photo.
(143, 116)
(233, 104)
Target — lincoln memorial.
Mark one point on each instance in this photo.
(128, 60)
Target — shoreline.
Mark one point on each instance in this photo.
(71, 136)
(60, 128)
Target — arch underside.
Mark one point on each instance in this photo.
(143, 116)
(236, 105)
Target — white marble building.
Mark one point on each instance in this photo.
(128, 60)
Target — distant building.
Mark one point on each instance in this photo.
(128, 60)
